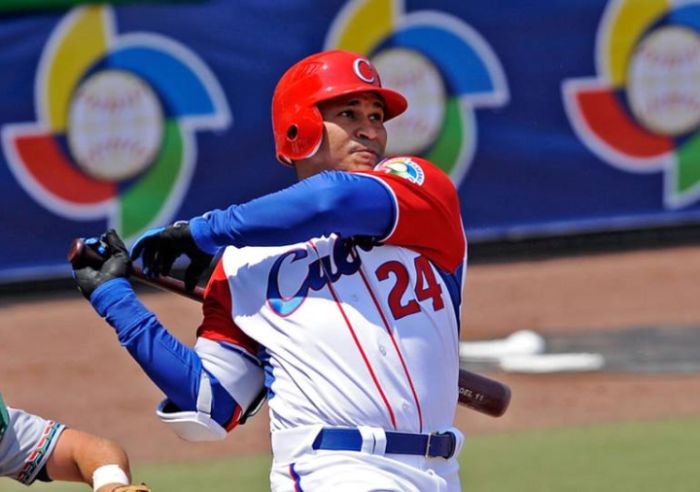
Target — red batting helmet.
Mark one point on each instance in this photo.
(296, 120)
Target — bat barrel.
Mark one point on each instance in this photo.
(483, 394)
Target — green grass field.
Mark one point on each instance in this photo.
(639, 457)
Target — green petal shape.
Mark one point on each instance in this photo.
(447, 148)
(688, 172)
(143, 201)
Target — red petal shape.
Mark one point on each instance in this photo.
(611, 124)
(45, 163)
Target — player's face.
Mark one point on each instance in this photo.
(354, 136)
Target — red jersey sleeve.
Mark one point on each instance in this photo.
(218, 324)
(428, 218)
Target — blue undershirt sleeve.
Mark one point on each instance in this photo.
(338, 202)
(174, 367)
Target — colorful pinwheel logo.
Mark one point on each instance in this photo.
(443, 67)
(114, 130)
(642, 113)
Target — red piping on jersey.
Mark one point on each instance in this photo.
(393, 341)
(295, 476)
(357, 342)
(234, 419)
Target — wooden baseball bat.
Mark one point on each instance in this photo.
(477, 392)
(80, 254)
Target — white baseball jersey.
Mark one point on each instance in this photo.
(350, 336)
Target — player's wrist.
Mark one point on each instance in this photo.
(202, 235)
(109, 477)
(109, 293)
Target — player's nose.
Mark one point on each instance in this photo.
(367, 129)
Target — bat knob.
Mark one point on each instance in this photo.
(86, 252)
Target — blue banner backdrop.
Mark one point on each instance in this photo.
(567, 117)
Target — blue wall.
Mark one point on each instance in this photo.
(525, 163)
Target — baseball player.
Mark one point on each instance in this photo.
(33, 448)
(339, 296)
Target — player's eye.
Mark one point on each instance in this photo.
(378, 116)
(347, 113)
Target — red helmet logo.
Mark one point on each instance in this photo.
(364, 70)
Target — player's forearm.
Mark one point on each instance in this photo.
(331, 202)
(103, 453)
(174, 367)
(78, 454)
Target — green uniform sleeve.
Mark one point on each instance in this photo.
(4, 417)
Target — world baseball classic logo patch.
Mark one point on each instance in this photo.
(404, 167)
(116, 117)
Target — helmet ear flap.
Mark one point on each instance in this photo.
(302, 135)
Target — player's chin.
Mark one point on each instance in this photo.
(362, 161)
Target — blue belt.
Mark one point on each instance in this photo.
(430, 445)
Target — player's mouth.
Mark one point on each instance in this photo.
(364, 159)
(365, 153)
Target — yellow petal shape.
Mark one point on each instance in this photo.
(363, 24)
(626, 20)
(78, 41)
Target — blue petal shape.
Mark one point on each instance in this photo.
(688, 15)
(181, 90)
(462, 67)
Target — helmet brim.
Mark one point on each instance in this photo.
(394, 103)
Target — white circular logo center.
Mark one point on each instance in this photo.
(664, 81)
(417, 78)
(115, 125)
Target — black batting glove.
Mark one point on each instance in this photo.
(159, 248)
(116, 265)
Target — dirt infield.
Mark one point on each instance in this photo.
(60, 360)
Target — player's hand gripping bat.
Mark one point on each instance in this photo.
(477, 392)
